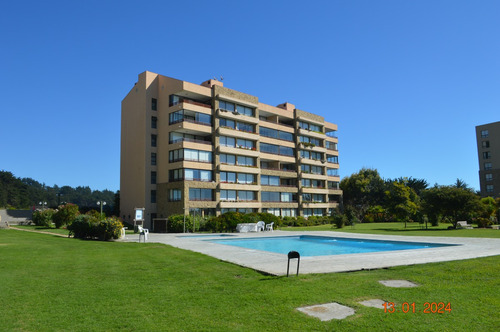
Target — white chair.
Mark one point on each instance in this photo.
(144, 232)
(260, 226)
(269, 227)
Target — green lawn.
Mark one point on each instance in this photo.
(395, 228)
(51, 283)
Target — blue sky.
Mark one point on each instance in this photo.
(406, 81)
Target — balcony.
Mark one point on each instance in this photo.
(236, 116)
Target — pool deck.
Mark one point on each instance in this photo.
(276, 264)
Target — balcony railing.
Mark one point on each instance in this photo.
(185, 139)
(191, 121)
(189, 101)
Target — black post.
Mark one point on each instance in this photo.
(291, 255)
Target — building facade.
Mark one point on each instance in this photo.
(206, 149)
(488, 150)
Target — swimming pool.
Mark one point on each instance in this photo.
(206, 235)
(309, 245)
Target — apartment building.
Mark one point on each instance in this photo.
(488, 150)
(204, 149)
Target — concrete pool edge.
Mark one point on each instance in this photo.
(276, 264)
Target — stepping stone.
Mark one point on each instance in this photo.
(398, 283)
(328, 311)
(375, 303)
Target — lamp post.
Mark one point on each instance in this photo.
(43, 204)
(184, 212)
(101, 203)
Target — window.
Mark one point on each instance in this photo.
(268, 180)
(174, 195)
(227, 159)
(486, 155)
(332, 172)
(270, 196)
(154, 104)
(191, 155)
(244, 178)
(153, 177)
(489, 188)
(153, 196)
(318, 198)
(227, 141)
(310, 126)
(268, 132)
(486, 144)
(244, 195)
(245, 127)
(484, 133)
(333, 185)
(306, 197)
(331, 146)
(154, 121)
(153, 158)
(332, 159)
(307, 213)
(227, 123)
(288, 212)
(286, 197)
(246, 161)
(244, 110)
(488, 177)
(487, 166)
(226, 106)
(285, 136)
(190, 175)
(273, 211)
(312, 183)
(310, 140)
(200, 194)
(269, 148)
(153, 140)
(318, 212)
(228, 195)
(190, 116)
(245, 144)
(227, 177)
(317, 170)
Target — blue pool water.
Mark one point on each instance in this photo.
(207, 235)
(308, 245)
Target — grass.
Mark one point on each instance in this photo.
(50, 283)
(394, 228)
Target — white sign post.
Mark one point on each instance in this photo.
(139, 217)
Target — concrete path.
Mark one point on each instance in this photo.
(276, 264)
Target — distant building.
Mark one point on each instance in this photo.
(488, 150)
(206, 149)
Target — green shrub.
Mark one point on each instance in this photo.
(175, 223)
(270, 218)
(43, 218)
(483, 222)
(88, 227)
(83, 227)
(65, 214)
(109, 228)
(340, 220)
(288, 221)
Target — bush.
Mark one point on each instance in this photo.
(483, 222)
(65, 214)
(88, 227)
(83, 227)
(175, 223)
(43, 218)
(109, 228)
(340, 220)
